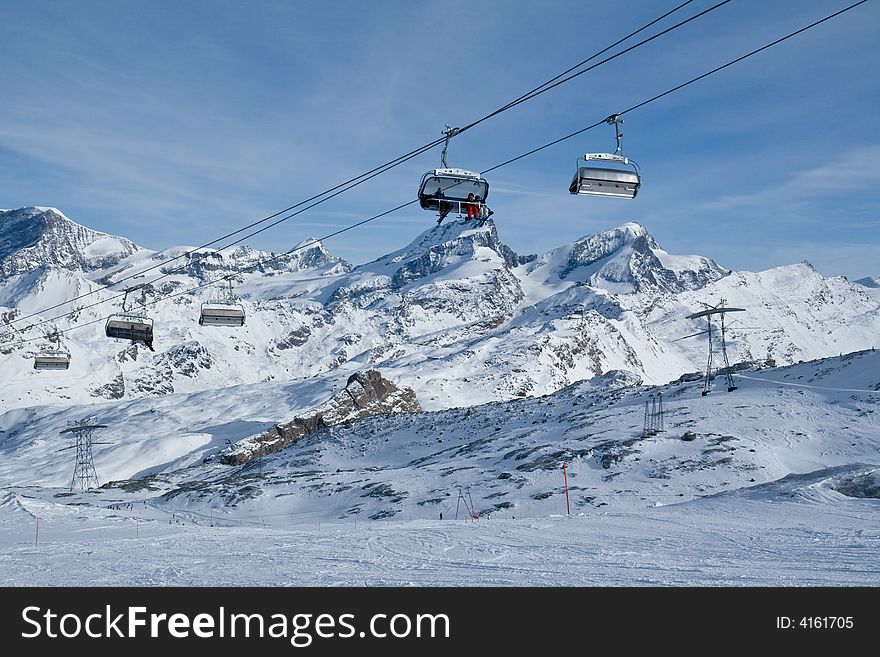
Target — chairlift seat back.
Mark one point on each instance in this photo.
(130, 327)
(221, 314)
(57, 361)
(596, 181)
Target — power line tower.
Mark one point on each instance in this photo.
(84, 472)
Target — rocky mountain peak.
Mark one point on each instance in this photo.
(440, 246)
(628, 259)
(453, 260)
(36, 237)
(205, 264)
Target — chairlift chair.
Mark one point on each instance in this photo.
(130, 326)
(600, 181)
(221, 313)
(450, 186)
(52, 357)
(52, 360)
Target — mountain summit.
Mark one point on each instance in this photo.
(35, 237)
(627, 259)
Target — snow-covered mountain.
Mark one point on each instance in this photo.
(625, 260)
(169, 453)
(792, 451)
(35, 238)
(456, 314)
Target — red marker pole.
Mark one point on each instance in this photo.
(565, 478)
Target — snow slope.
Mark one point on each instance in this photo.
(774, 541)
(773, 484)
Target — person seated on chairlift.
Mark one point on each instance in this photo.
(485, 212)
(443, 206)
(473, 209)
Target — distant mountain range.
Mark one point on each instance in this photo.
(456, 315)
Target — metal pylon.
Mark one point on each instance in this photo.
(654, 423)
(727, 373)
(659, 422)
(707, 382)
(84, 474)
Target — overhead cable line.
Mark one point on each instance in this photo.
(555, 82)
(497, 166)
(357, 180)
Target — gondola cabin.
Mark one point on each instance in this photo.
(215, 313)
(450, 187)
(130, 327)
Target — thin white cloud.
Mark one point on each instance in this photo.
(851, 172)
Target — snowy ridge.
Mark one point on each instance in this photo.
(456, 315)
(778, 422)
(43, 237)
(624, 260)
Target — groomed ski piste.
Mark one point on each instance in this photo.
(775, 484)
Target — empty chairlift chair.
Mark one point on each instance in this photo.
(601, 181)
(52, 360)
(130, 326)
(221, 313)
(52, 356)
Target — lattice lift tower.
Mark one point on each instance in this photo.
(84, 472)
(720, 310)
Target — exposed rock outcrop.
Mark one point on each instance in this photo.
(365, 394)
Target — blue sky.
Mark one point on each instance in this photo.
(175, 122)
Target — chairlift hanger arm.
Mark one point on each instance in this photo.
(125, 298)
(615, 120)
(449, 133)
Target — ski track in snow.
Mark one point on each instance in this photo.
(758, 543)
